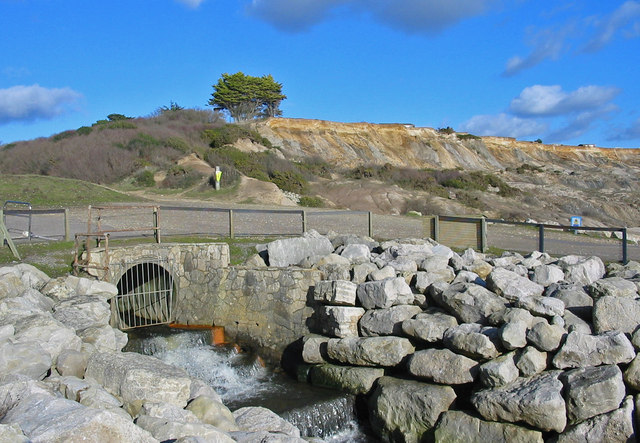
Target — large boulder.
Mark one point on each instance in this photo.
(612, 313)
(580, 350)
(614, 287)
(83, 312)
(592, 391)
(499, 371)
(44, 418)
(536, 401)
(335, 292)
(512, 286)
(443, 366)
(574, 297)
(28, 359)
(382, 293)
(470, 303)
(546, 275)
(339, 321)
(211, 411)
(369, 351)
(137, 379)
(291, 251)
(387, 321)
(468, 340)
(462, 427)
(404, 410)
(169, 430)
(353, 379)
(256, 419)
(356, 253)
(50, 333)
(531, 361)
(582, 270)
(425, 279)
(429, 326)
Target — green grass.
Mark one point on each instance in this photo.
(44, 191)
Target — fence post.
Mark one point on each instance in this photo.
(232, 233)
(304, 221)
(156, 224)
(67, 233)
(624, 246)
(483, 234)
(370, 224)
(541, 237)
(436, 228)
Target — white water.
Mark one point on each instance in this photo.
(241, 380)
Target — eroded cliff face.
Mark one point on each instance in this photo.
(405, 145)
(600, 184)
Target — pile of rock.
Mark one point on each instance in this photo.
(63, 376)
(464, 347)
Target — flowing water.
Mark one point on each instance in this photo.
(241, 379)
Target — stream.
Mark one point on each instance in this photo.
(241, 379)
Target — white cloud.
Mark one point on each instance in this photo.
(547, 44)
(412, 16)
(540, 100)
(503, 125)
(193, 4)
(627, 14)
(28, 103)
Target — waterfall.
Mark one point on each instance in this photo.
(241, 380)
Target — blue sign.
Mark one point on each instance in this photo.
(576, 221)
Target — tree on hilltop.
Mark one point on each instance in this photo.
(246, 97)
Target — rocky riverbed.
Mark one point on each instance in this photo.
(436, 344)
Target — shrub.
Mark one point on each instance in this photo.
(144, 178)
(289, 181)
(120, 124)
(84, 130)
(230, 133)
(316, 166)
(447, 130)
(181, 177)
(63, 135)
(467, 137)
(311, 202)
(178, 144)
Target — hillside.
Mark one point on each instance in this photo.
(386, 168)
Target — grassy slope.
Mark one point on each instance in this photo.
(49, 192)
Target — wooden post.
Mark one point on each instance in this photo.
(436, 228)
(231, 230)
(156, 224)
(67, 234)
(483, 234)
(370, 224)
(624, 246)
(304, 221)
(541, 237)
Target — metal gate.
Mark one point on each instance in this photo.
(146, 291)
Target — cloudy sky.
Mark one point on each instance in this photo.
(562, 71)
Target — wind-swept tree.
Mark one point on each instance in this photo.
(246, 97)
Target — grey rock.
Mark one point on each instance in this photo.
(290, 251)
(333, 271)
(211, 411)
(632, 374)
(575, 299)
(356, 253)
(314, 349)
(546, 275)
(383, 293)
(574, 323)
(12, 433)
(613, 427)
(387, 321)
(469, 302)
(429, 326)
(580, 350)
(469, 342)
(611, 313)
(542, 306)
(51, 334)
(592, 391)
(479, 267)
(614, 287)
(339, 321)
(626, 271)
(71, 362)
(442, 366)
(27, 358)
(46, 418)
(361, 272)
(369, 351)
(335, 292)
(404, 410)
(104, 338)
(512, 286)
(434, 263)
(425, 279)
(83, 312)
(499, 371)
(169, 412)
(546, 337)
(531, 361)
(383, 273)
(462, 427)
(536, 401)
(137, 379)
(468, 277)
(510, 315)
(513, 335)
(257, 419)
(582, 270)
(166, 430)
(403, 264)
(353, 379)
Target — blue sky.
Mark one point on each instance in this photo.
(562, 71)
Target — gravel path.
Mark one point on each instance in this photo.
(257, 221)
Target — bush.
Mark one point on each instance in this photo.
(181, 177)
(230, 176)
(230, 133)
(63, 135)
(145, 178)
(84, 130)
(178, 144)
(467, 137)
(311, 202)
(289, 181)
(447, 130)
(316, 166)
